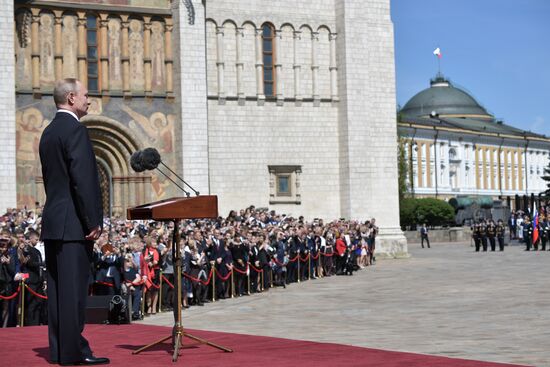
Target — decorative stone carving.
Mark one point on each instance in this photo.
(115, 65)
(70, 47)
(23, 69)
(137, 74)
(47, 68)
(157, 56)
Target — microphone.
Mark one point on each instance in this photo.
(149, 159)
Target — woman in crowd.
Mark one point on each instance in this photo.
(151, 276)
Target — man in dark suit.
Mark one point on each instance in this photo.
(72, 219)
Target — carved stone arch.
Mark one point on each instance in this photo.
(289, 25)
(212, 21)
(113, 144)
(323, 27)
(249, 22)
(306, 26)
(229, 21)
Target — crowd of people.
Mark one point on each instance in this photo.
(248, 251)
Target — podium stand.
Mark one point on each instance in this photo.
(176, 209)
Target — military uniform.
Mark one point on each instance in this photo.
(500, 235)
(527, 233)
(491, 233)
(476, 235)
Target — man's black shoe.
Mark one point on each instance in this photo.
(88, 361)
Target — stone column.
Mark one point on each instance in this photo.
(419, 169)
(125, 56)
(8, 183)
(191, 147)
(520, 169)
(103, 51)
(259, 67)
(506, 173)
(82, 45)
(367, 160)
(315, 69)
(220, 63)
(168, 58)
(333, 68)
(296, 67)
(35, 52)
(278, 67)
(58, 41)
(147, 55)
(240, 65)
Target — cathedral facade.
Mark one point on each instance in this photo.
(286, 105)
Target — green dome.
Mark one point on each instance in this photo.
(446, 101)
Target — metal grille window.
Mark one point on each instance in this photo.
(92, 53)
(268, 54)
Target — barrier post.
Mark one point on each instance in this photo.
(309, 266)
(271, 276)
(232, 282)
(22, 308)
(320, 271)
(160, 294)
(143, 293)
(213, 283)
(248, 277)
(299, 274)
(262, 280)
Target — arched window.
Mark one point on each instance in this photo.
(268, 34)
(91, 55)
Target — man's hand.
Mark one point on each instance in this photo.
(94, 234)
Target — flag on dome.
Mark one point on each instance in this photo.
(437, 52)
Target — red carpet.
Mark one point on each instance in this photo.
(28, 347)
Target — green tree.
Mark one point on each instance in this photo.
(431, 211)
(402, 170)
(546, 178)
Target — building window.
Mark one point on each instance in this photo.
(268, 34)
(284, 184)
(92, 56)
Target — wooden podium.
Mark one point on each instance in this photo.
(175, 209)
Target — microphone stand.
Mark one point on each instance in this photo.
(175, 183)
(181, 179)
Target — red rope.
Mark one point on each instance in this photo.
(167, 282)
(256, 269)
(204, 282)
(35, 294)
(241, 271)
(292, 260)
(226, 277)
(305, 259)
(326, 255)
(277, 262)
(316, 257)
(105, 283)
(12, 296)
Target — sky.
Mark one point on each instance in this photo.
(497, 50)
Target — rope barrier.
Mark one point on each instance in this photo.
(327, 255)
(293, 260)
(34, 293)
(204, 282)
(226, 277)
(256, 269)
(7, 298)
(241, 271)
(316, 257)
(305, 259)
(105, 283)
(278, 262)
(168, 282)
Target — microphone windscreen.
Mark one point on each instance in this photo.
(150, 158)
(136, 161)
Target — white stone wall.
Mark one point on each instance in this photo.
(8, 193)
(244, 140)
(190, 86)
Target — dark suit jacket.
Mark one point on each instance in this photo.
(73, 195)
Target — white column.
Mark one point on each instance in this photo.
(220, 65)
(333, 68)
(8, 192)
(259, 67)
(240, 65)
(315, 69)
(278, 67)
(296, 66)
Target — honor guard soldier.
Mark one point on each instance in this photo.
(476, 235)
(491, 233)
(483, 226)
(500, 234)
(527, 232)
(544, 232)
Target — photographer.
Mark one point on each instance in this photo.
(29, 260)
(150, 273)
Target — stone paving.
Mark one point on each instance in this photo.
(447, 300)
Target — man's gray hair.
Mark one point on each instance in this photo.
(62, 89)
